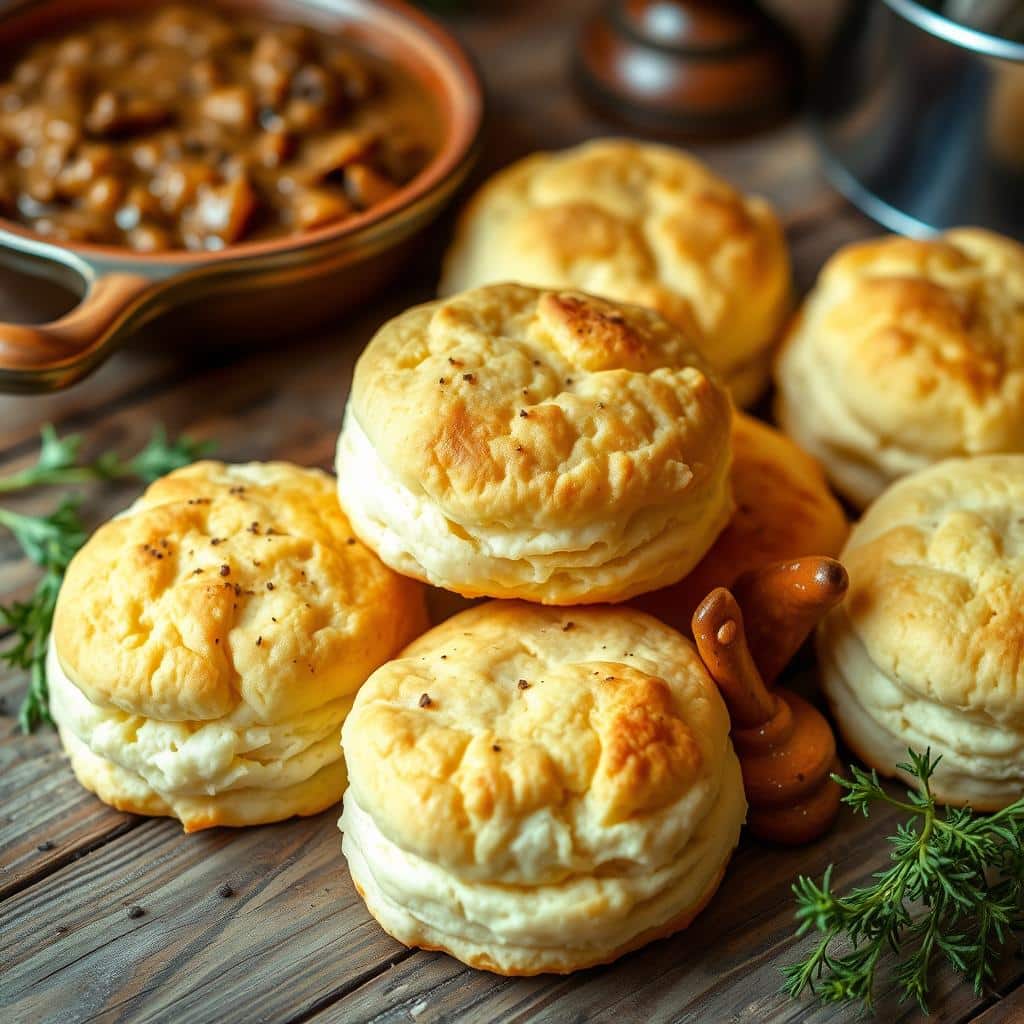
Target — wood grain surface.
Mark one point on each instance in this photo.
(288, 940)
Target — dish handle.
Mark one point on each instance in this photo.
(46, 357)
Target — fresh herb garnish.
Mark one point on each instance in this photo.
(52, 540)
(58, 461)
(954, 891)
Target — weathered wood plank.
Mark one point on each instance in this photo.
(705, 969)
(314, 942)
(292, 934)
(725, 967)
(46, 818)
(1009, 1010)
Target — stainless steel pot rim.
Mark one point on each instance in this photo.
(963, 36)
(866, 201)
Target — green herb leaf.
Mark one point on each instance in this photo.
(52, 540)
(58, 461)
(954, 891)
(161, 456)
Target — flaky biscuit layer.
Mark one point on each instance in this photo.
(208, 642)
(607, 561)
(514, 442)
(927, 648)
(531, 789)
(188, 767)
(126, 791)
(982, 757)
(564, 926)
(640, 223)
(907, 352)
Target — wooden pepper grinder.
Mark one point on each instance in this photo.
(696, 68)
(786, 747)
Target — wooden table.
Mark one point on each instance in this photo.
(293, 942)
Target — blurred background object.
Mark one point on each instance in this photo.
(919, 113)
(690, 68)
(998, 17)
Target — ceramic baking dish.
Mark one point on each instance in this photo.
(251, 291)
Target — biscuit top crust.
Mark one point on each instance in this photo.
(519, 407)
(924, 340)
(634, 222)
(937, 584)
(230, 588)
(517, 742)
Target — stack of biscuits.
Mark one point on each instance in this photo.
(904, 373)
(546, 780)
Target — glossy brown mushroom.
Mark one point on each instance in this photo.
(782, 602)
(785, 746)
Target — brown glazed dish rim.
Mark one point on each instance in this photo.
(462, 117)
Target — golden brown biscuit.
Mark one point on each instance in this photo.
(514, 442)
(905, 353)
(536, 790)
(784, 510)
(639, 223)
(208, 643)
(928, 649)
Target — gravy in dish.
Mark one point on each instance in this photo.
(188, 128)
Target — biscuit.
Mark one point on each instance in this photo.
(640, 223)
(207, 645)
(784, 510)
(927, 651)
(514, 442)
(536, 790)
(906, 353)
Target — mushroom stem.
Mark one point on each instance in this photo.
(718, 630)
(785, 746)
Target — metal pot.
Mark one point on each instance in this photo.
(920, 119)
(255, 290)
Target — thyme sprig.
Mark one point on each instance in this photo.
(51, 541)
(58, 461)
(954, 891)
